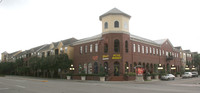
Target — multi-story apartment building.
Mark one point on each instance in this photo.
(9, 57)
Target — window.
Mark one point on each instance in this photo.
(105, 48)
(143, 49)
(177, 54)
(85, 68)
(95, 68)
(157, 51)
(150, 50)
(65, 49)
(79, 68)
(106, 25)
(160, 52)
(163, 52)
(116, 45)
(90, 48)
(61, 50)
(86, 49)
(146, 50)
(48, 53)
(126, 46)
(138, 48)
(134, 48)
(126, 67)
(106, 67)
(166, 53)
(81, 49)
(56, 51)
(116, 24)
(153, 50)
(96, 47)
(90, 68)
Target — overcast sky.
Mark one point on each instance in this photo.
(25, 24)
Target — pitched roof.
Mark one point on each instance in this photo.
(55, 44)
(141, 39)
(178, 47)
(114, 11)
(160, 41)
(46, 47)
(187, 51)
(89, 39)
(67, 42)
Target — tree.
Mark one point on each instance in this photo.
(33, 62)
(196, 61)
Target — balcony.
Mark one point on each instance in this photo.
(168, 58)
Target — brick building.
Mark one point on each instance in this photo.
(118, 51)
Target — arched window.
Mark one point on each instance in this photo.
(79, 68)
(105, 25)
(126, 67)
(116, 68)
(106, 67)
(116, 24)
(85, 68)
(116, 45)
(90, 68)
(105, 48)
(95, 68)
(131, 68)
(126, 46)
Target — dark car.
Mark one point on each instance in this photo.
(195, 74)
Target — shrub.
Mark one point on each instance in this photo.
(130, 74)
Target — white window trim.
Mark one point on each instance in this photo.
(134, 49)
(143, 49)
(96, 47)
(150, 50)
(138, 48)
(90, 48)
(147, 50)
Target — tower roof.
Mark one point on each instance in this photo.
(114, 11)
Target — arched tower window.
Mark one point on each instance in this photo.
(105, 25)
(126, 46)
(116, 24)
(116, 45)
(106, 48)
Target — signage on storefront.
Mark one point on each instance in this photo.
(95, 58)
(105, 57)
(116, 56)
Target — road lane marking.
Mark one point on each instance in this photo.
(20, 86)
(4, 88)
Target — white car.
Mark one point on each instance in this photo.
(168, 77)
(187, 75)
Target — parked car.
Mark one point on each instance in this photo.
(187, 75)
(195, 74)
(168, 77)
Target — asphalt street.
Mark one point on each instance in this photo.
(19, 84)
